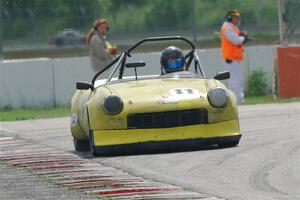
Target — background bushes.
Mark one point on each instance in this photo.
(257, 83)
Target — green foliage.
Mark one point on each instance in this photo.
(24, 114)
(257, 83)
(43, 18)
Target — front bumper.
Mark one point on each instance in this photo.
(102, 138)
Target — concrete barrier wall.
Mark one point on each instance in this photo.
(39, 83)
(66, 73)
(26, 83)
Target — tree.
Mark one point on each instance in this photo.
(292, 15)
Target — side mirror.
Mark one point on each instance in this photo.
(135, 64)
(84, 86)
(222, 75)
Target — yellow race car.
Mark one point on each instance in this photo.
(157, 111)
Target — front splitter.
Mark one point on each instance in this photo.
(166, 146)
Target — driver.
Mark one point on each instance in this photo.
(172, 60)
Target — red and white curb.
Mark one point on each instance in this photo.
(70, 171)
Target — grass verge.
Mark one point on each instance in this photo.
(268, 99)
(24, 114)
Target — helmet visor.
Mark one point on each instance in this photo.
(174, 64)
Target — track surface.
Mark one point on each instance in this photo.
(265, 165)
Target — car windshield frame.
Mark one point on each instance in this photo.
(119, 63)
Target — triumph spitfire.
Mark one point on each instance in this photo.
(156, 111)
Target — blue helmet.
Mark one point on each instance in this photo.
(172, 60)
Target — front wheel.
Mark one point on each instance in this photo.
(81, 145)
(228, 144)
(92, 144)
(59, 42)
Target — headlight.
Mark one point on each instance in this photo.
(113, 104)
(217, 97)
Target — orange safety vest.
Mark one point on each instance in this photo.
(230, 50)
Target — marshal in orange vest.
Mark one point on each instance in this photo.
(230, 50)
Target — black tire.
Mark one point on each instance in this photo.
(92, 144)
(81, 145)
(228, 144)
(59, 42)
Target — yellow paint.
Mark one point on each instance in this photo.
(143, 96)
(113, 137)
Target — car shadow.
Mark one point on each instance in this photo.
(136, 151)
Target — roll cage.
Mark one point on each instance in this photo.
(120, 61)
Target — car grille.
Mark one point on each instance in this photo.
(167, 119)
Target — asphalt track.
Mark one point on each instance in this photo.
(265, 165)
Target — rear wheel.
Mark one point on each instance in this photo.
(81, 145)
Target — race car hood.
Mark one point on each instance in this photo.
(155, 95)
(145, 95)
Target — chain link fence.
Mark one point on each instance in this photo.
(31, 28)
